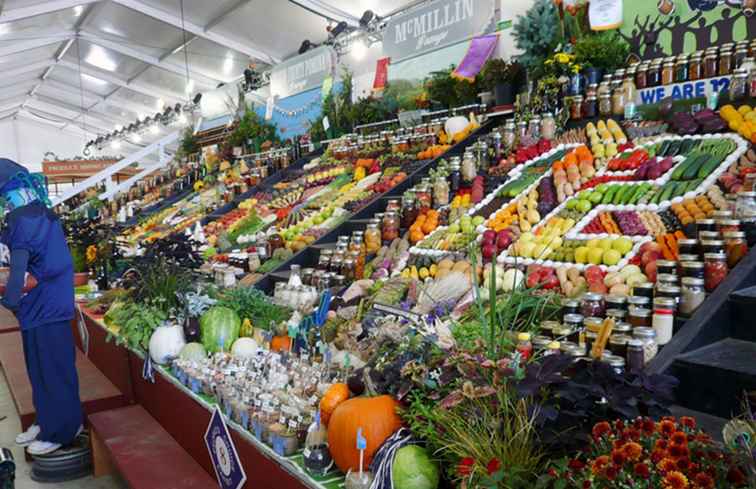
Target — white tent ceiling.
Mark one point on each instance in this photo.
(96, 64)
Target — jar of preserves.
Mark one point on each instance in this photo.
(645, 289)
(692, 269)
(570, 306)
(668, 73)
(605, 105)
(336, 265)
(686, 257)
(617, 314)
(469, 169)
(739, 85)
(666, 279)
(639, 301)
(409, 211)
(590, 339)
(752, 82)
(593, 324)
(423, 198)
(324, 261)
(455, 175)
(548, 126)
(522, 129)
(725, 61)
(695, 66)
(573, 322)
(670, 292)
(347, 269)
(390, 228)
(715, 270)
(524, 347)
(663, 320)
(712, 246)
(604, 88)
(565, 332)
(741, 54)
(710, 63)
(634, 358)
(666, 266)
(648, 337)
(393, 205)
(639, 317)
(745, 203)
(693, 295)
(687, 246)
(372, 239)
(735, 247)
(616, 362)
(727, 225)
(547, 328)
(618, 101)
(592, 90)
(616, 302)
(640, 76)
(440, 192)
(705, 225)
(534, 127)
(576, 108)
(540, 343)
(618, 344)
(681, 69)
(508, 135)
(653, 76)
(708, 236)
(592, 305)
(590, 107)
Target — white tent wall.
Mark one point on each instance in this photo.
(26, 142)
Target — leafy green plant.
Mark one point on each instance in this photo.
(448, 91)
(79, 256)
(250, 303)
(161, 286)
(188, 144)
(135, 324)
(606, 50)
(497, 70)
(252, 127)
(537, 33)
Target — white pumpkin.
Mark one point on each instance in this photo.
(244, 348)
(166, 344)
(455, 124)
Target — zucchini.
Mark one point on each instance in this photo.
(682, 168)
(628, 196)
(667, 192)
(709, 167)
(640, 192)
(695, 166)
(662, 152)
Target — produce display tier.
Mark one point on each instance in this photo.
(166, 397)
(308, 256)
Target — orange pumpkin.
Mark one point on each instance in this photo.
(280, 343)
(375, 415)
(335, 395)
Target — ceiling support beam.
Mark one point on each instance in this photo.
(20, 47)
(159, 14)
(123, 48)
(149, 90)
(225, 14)
(40, 65)
(107, 118)
(329, 11)
(43, 8)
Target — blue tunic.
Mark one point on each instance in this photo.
(38, 230)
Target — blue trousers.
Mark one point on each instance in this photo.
(51, 363)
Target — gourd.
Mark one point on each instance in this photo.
(166, 344)
(335, 395)
(244, 348)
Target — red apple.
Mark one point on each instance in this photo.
(503, 240)
(598, 287)
(488, 251)
(650, 256)
(650, 271)
(489, 236)
(650, 246)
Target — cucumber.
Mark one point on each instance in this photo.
(620, 194)
(642, 190)
(695, 166)
(709, 167)
(693, 185)
(663, 149)
(682, 168)
(609, 195)
(628, 196)
(667, 192)
(674, 148)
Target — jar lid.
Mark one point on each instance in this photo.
(549, 325)
(668, 289)
(623, 327)
(541, 341)
(634, 343)
(592, 321)
(638, 300)
(618, 339)
(565, 346)
(616, 299)
(613, 360)
(523, 336)
(573, 318)
(554, 345)
(643, 286)
(666, 278)
(639, 312)
(721, 214)
(615, 313)
(692, 264)
(591, 334)
(712, 242)
(693, 281)
(705, 221)
(643, 332)
(592, 296)
(567, 302)
(562, 331)
(727, 221)
(687, 242)
(715, 256)
(751, 194)
(688, 258)
(666, 263)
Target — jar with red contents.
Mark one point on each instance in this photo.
(728, 225)
(592, 305)
(390, 228)
(735, 247)
(715, 270)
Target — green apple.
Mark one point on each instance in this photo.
(454, 227)
(584, 205)
(623, 245)
(595, 255)
(605, 244)
(611, 257)
(526, 249)
(478, 220)
(596, 197)
(571, 204)
(526, 237)
(581, 254)
(593, 243)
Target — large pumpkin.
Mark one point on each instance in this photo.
(375, 415)
(335, 395)
(280, 343)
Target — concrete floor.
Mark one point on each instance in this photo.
(10, 427)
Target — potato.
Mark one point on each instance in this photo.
(619, 289)
(461, 266)
(613, 278)
(573, 274)
(445, 264)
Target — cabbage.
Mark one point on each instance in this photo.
(413, 469)
(194, 352)
(220, 328)
(166, 343)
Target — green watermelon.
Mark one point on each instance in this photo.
(220, 328)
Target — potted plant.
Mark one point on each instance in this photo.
(503, 78)
(81, 267)
(601, 53)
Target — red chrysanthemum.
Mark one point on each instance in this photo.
(679, 438)
(617, 457)
(632, 451)
(619, 425)
(493, 466)
(667, 427)
(601, 429)
(658, 455)
(611, 472)
(675, 480)
(576, 464)
(688, 422)
(618, 444)
(704, 481)
(465, 466)
(678, 451)
(599, 463)
(735, 476)
(661, 444)
(642, 471)
(667, 465)
(647, 426)
(683, 464)
(703, 438)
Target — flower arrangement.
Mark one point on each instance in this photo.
(562, 64)
(669, 454)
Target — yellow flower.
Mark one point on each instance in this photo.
(91, 253)
(576, 68)
(563, 58)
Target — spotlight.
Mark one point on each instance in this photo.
(197, 99)
(339, 29)
(137, 138)
(116, 144)
(154, 129)
(366, 18)
(182, 119)
(177, 108)
(306, 46)
(87, 151)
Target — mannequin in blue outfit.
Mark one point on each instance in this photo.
(37, 244)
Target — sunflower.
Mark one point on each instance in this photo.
(704, 480)
(679, 438)
(632, 451)
(675, 480)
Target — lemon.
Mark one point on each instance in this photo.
(744, 109)
(734, 125)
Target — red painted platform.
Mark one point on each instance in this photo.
(144, 453)
(96, 391)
